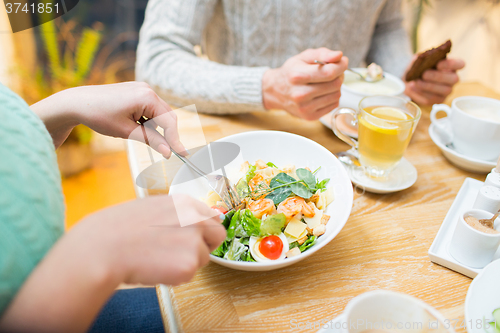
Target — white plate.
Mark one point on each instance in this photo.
(482, 298)
(461, 161)
(282, 148)
(401, 178)
(438, 252)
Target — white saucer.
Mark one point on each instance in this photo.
(401, 178)
(457, 159)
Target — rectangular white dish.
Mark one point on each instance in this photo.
(438, 252)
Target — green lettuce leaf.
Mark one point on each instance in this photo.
(235, 219)
(247, 257)
(227, 219)
(236, 250)
(322, 184)
(250, 173)
(222, 249)
(308, 243)
(250, 223)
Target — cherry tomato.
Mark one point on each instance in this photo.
(271, 247)
(220, 209)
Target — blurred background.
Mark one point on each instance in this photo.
(95, 44)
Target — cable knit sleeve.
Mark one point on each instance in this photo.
(166, 60)
(31, 200)
(390, 46)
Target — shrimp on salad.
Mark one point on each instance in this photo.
(284, 213)
(296, 207)
(262, 207)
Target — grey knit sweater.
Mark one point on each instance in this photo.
(244, 38)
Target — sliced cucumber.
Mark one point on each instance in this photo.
(494, 328)
(496, 316)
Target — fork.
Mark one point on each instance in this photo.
(220, 184)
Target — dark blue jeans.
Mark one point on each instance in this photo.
(130, 310)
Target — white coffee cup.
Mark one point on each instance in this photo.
(383, 310)
(472, 124)
(472, 247)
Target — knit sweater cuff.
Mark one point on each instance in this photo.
(247, 87)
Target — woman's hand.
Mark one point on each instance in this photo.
(435, 84)
(111, 110)
(304, 88)
(141, 241)
(160, 239)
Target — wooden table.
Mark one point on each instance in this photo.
(383, 245)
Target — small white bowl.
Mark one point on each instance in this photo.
(482, 298)
(472, 247)
(350, 95)
(282, 148)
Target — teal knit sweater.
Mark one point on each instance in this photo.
(31, 200)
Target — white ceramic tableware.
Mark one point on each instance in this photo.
(472, 247)
(401, 178)
(353, 89)
(473, 126)
(488, 199)
(460, 160)
(482, 298)
(282, 148)
(390, 311)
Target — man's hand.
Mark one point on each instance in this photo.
(435, 84)
(303, 88)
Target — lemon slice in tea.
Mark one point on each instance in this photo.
(389, 113)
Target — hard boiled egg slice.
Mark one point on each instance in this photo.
(254, 248)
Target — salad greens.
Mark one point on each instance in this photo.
(243, 224)
(250, 173)
(310, 241)
(240, 226)
(280, 189)
(283, 185)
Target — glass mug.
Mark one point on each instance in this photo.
(385, 126)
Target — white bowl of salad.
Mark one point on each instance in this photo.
(297, 197)
(482, 304)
